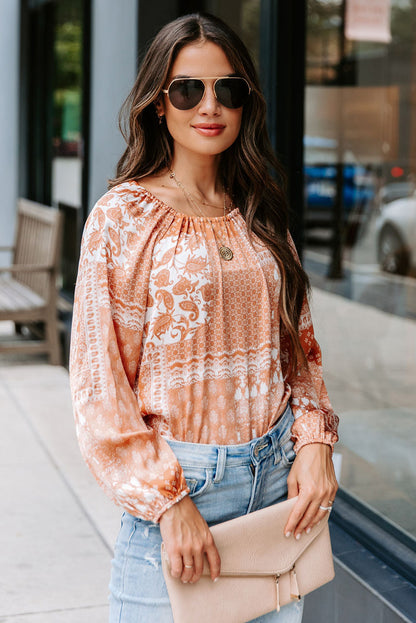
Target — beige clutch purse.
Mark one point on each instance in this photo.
(261, 569)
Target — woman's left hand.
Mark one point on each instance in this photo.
(312, 478)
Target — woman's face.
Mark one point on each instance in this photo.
(209, 128)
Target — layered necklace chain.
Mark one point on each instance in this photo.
(224, 251)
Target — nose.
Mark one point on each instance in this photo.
(209, 104)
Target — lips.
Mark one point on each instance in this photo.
(209, 129)
(209, 126)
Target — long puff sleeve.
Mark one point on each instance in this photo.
(134, 464)
(315, 420)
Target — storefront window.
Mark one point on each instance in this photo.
(244, 17)
(54, 39)
(67, 104)
(360, 243)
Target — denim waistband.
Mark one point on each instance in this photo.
(254, 451)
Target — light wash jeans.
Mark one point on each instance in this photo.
(225, 482)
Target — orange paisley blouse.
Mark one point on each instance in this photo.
(170, 341)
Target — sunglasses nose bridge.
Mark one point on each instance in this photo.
(209, 96)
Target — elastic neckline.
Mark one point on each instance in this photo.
(193, 217)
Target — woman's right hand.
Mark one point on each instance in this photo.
(187, 538)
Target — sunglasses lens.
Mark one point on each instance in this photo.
(232, 92)
(187, 93)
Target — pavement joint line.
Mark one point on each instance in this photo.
(408, 315)
(382, 403)
(354, 267)
(54, 611)
(52, 460)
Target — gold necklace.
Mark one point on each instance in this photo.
(224, 251)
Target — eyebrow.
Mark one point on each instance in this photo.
(233, 75)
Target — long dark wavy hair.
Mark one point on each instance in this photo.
(246, 167)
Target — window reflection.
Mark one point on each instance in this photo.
(67, 104)
(244, 17)
(360, 159)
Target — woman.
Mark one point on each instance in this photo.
(194, 369)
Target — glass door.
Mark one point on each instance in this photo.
(56, 114)
(360, 239)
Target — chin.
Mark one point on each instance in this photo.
(209, 147)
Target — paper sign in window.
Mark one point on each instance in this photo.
(368, 20)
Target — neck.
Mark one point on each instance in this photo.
(199, 173)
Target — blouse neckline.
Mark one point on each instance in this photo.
(182, 215)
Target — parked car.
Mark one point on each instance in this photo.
(396, 236)
(320, 196)
(395, 190)
(320, 183)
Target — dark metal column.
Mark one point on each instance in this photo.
(335, 269)
(282, 53)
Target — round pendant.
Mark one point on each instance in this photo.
(226, 253)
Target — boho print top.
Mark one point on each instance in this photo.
(171, 341)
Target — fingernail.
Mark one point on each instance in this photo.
(299, 534)
(216, 580)
(308, 530)
(184, 581)
(318, 522)
(288, 534)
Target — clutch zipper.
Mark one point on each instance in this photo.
(260, 574)
(294, 588)
(276, 577)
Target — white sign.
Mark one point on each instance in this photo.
(368, 20)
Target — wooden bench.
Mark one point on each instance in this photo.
(28, 289)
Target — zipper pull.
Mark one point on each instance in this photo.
(277, 592)
(294, 588)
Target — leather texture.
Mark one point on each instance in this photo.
(261, 569)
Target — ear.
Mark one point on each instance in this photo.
(160, 107)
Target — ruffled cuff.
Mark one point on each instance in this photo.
(170, 503)
(315, 427)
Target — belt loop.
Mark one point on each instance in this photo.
(221, 459)
(276, 448)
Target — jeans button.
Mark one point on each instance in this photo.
(256, 451)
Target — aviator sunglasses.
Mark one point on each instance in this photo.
(186, 93)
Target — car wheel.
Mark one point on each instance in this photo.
(392, 253)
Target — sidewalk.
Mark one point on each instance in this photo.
(57, 527)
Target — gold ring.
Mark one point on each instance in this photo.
(188, 566)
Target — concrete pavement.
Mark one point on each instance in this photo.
(57, 527)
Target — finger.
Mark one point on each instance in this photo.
(316, 511)
(321, 513)
(214, 560)
(176, 566)
(292, 487)
(307, 519)
(187, 568)
(296, 515)
(317, 519)
(197, 567)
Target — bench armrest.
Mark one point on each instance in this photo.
(26, 268)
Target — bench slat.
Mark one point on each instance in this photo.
(15, 296)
